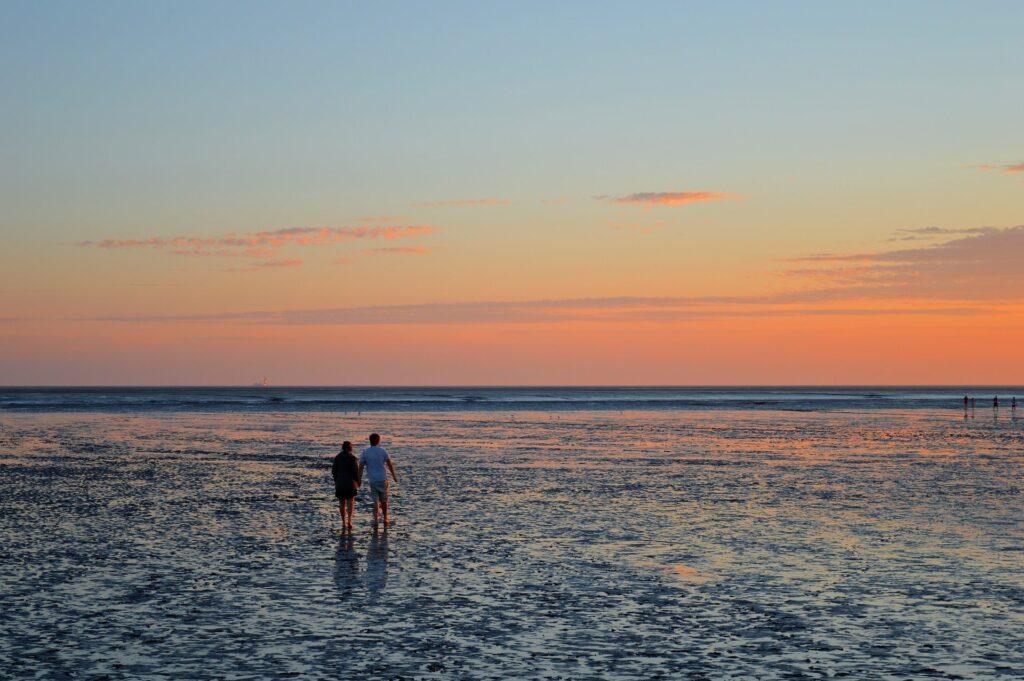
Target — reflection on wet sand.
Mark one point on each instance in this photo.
(579, 545)
(688, 573)
(346, 565)
(376, 575)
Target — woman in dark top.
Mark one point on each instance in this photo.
(345, 472)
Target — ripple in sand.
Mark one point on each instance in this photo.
(206, 546)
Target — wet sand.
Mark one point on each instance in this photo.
(576, 545)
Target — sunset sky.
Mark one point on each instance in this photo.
(511, 193)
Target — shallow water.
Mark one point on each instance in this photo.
(534, 545)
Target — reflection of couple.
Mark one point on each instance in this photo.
(346, 564)
(348, 478)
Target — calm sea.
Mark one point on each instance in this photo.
(503, 399)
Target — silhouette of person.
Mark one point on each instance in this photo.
(347, 478)
(376, 461)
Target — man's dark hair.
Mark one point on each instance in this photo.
(374, 439)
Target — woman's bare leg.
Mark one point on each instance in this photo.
(351, 503)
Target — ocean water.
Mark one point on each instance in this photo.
(657, 542)
(449, 399)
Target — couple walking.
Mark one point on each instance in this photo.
(347, 472)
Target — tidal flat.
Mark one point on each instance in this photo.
(592, 544)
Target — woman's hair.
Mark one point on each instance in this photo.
(346, 446)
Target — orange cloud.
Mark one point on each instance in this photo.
(462, 202)
(671, 198)
(1005, 169)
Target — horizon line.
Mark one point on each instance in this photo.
(538, 386)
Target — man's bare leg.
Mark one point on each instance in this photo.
(384, 507)
(376, 511)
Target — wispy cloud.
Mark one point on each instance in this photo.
(411, 250)
(976, 273)
(604, 310)
(461, 202)
(266, 247)
(649, 199)
(985, 265)
(1008, 169)
(831, 274)
(924, 233)
(241, 245)
(276, 263)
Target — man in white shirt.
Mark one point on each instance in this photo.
(376, 462)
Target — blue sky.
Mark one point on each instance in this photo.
(229, 102)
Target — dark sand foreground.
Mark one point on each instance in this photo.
(582, 545)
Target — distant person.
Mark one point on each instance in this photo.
(965, 402)
(995, 402)
(1013, 403)
(376, 462)
(347, 479)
